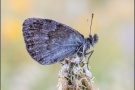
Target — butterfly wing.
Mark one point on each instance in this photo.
(48, 41)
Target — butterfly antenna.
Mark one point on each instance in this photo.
(91, 23)
(88, 26)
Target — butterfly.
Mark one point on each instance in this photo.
(49, 42)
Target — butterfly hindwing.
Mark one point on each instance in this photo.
(48, 41)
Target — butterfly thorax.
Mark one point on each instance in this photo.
(90, 41)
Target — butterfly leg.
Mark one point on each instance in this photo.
(89, 53)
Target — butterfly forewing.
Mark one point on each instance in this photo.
(48, 41)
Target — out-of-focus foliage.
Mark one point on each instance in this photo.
(113, 58)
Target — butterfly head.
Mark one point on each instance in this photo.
(92, 39)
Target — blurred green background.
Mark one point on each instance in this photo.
(112, 62)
